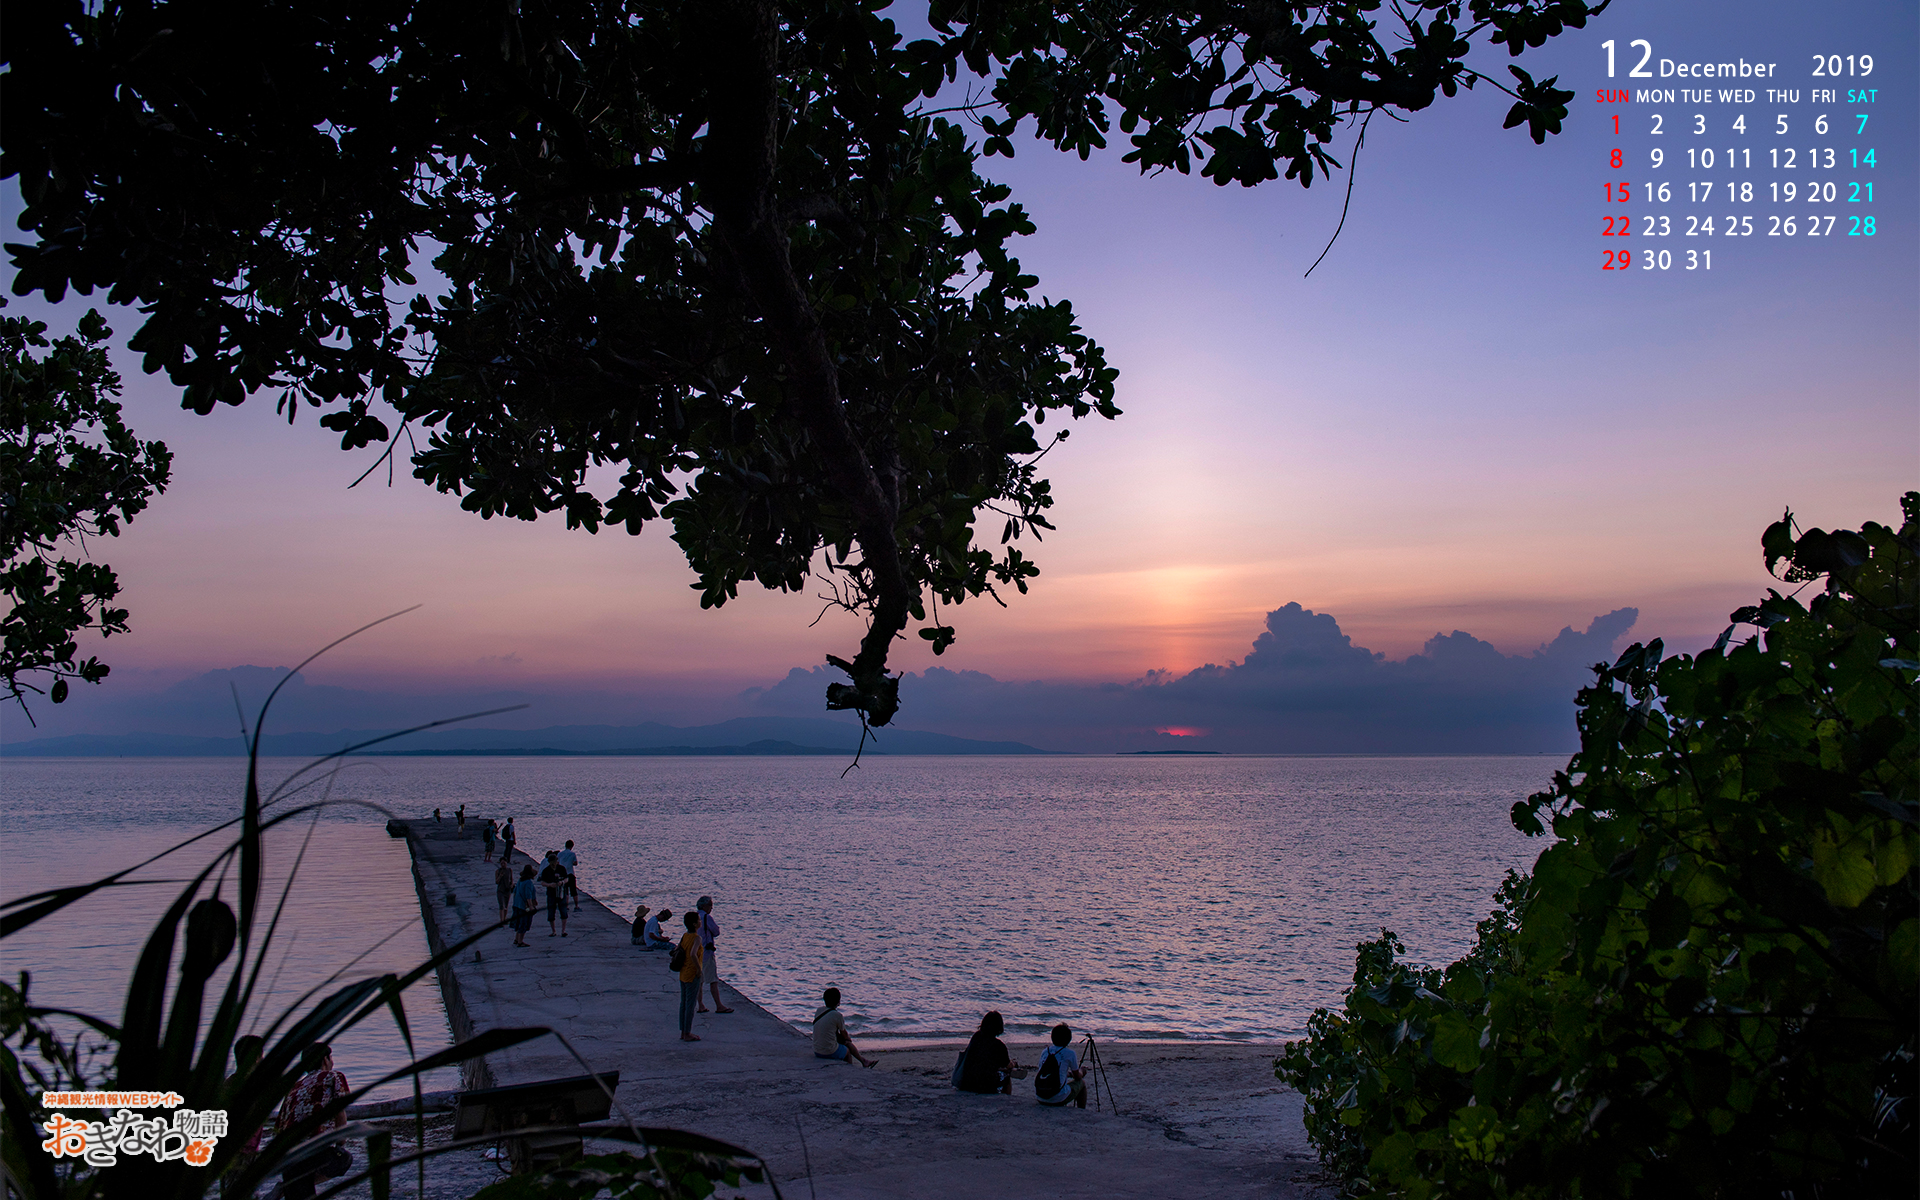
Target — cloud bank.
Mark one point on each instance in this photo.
(1303, 688)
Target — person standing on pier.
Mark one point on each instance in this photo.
(709, 930)
(507, 839)
(690, 955)
(460, 820)
(525, 902)
(486, 839)
(571, 862)
(555, 877)
(503, 886)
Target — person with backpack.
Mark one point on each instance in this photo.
(830, 1038)
(1060, 1078)
(686, 960)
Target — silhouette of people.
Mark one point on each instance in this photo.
(554, 876)
(526, 901)
(571, 862)
(830, 1038)
(988, 1068)
(689, 976)
(319, 1087)
(1062, 1066)
(709, 930)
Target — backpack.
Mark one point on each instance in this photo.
(1046, 1082)
(677, 961)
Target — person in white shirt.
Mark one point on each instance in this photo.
(1060, 1079)
(652, 937)
(570, 860)
(830, 1038)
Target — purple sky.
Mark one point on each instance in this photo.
(1459, 422)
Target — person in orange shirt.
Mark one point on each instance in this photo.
(692, 953)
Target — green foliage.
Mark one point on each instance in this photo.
(1385, 1078)
(1283, 77)
(169, 1038)
(70, 469)
(1708, 984)
(721, 264)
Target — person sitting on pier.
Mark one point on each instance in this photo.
(987, 1067)
(830, 1038)
(652, 937)
(526, 901)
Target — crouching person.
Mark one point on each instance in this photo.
(830, 1038)
(1060, 1079)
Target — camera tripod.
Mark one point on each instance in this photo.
(1096, 1069)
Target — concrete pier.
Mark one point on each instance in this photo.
(1215, 1125)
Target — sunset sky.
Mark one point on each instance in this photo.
(1458, 422)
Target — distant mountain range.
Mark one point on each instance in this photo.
(740, 736)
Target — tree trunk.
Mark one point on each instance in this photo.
(737, 183)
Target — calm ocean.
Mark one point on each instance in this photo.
(1203, 897)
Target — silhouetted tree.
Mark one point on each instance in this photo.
(69, 469)
(735, 249)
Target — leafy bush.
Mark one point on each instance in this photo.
(1708, 984)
